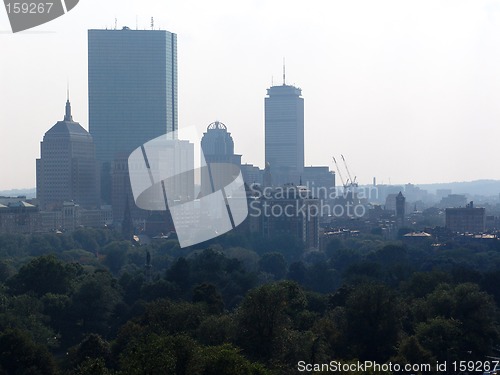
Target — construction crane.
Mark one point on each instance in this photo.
(340, 174)
(353, 182)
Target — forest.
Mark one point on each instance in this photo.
(90, 302)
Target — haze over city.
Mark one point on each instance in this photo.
(408, 92)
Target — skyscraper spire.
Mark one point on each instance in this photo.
(284, 81)
(67, 116)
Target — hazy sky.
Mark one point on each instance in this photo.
(408, 91)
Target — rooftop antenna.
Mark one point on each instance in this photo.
(272, 81)
(116, 23)
(152, 23)
(136, 23)
(284, 72)
(67, 90)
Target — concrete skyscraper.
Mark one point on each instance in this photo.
(67, 169)
(132, 77)
(284, 133)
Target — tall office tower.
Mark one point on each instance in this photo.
(284, 133)
(67, 169)
(400, 209)
(132, 91)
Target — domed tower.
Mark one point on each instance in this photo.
(67, 168)
(218, 146)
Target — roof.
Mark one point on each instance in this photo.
(21, 204)
(68, 129)
(418, 234)
(217, 125)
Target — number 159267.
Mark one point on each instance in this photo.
(29, 8)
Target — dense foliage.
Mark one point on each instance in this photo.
(87, 303)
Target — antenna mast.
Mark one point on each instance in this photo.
(152, 23)
(284, 72)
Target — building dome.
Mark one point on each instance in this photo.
(217, 140)
(217, 125)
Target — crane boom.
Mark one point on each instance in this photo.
(338, 170)
(347, 169)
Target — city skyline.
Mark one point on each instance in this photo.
(416, 81)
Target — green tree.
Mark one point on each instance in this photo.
(216, 329)
(45, 274)
(167, 317)
(273, 263)
(441, 337)
(92, 346)
(94, 301)
(25, 312)
(321, 278)
(179, 272)
(116, 255)
(207, 293)
(92, 366)
(265, 313)
(411, 351)
(6, 270)
(465, 308)
(21, 356)
(373, 317)
(149, 354)
(223, 360)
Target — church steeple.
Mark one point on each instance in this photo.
(67, 116)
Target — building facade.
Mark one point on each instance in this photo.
(467, 219)
(287, 210)
(132, 78)
(67, 170)
(400, 209)
(320, 181)
(252, 174)
(284, 133)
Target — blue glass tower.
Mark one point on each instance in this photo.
(132, 88)
(132, 78)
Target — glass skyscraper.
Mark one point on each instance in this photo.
(284, 133)
(132, 77)
(132, 88)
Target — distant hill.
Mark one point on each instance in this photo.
(478, 187)
(29, 193)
